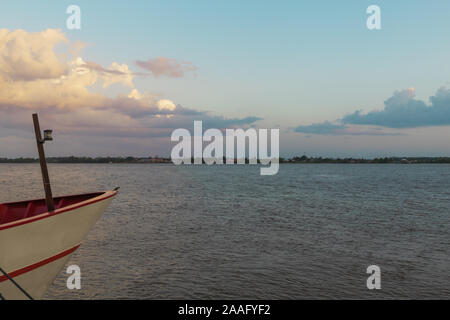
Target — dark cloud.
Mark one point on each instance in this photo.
(118, 118)
(321, 128)
(328, 128)
(402, 110)
(182, 120)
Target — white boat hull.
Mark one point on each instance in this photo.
(34, 252)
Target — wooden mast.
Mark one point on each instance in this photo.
(45, 176)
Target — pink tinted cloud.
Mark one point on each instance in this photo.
(167, 67)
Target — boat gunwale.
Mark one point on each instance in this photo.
(103, 196)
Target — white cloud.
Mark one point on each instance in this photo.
(166, 105)
(30, 56)
(34, 79)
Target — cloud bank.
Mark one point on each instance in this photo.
(68, 92)
(322, 128)
(400, 111)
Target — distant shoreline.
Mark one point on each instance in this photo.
(302, 159)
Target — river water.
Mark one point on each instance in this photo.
(225, 232)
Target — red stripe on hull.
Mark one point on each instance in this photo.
(39, 264)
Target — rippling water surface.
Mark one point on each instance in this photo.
(224, 232)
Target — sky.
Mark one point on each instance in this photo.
(136, 71)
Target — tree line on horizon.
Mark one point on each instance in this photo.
(296, 159)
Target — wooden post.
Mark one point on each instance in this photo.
(45, 177)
